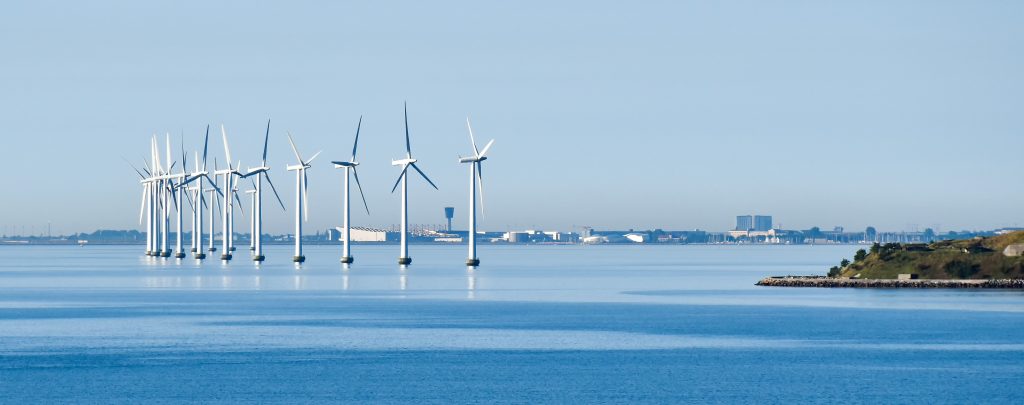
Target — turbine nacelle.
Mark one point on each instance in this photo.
(406, 161)
(297, 167)
(339, 165)
(256, 170)
(472, 159)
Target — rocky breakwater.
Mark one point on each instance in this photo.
(827, 282)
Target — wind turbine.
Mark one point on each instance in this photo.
(256, 221)
(227, 217)
(350, 166)
(161, 191)
(213, 205)
(475, 176)
(403, 257)
(301, 200)
(197, 227)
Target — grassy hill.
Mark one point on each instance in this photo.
(978, 258)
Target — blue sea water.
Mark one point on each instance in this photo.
(533, 324)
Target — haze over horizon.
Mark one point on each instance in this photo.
(674, 115)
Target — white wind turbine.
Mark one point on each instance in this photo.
(185, 179)
(350, 166)
(475, 176)
(301, 204)
(403, 257)
(200, 201)
(256, 220)
(211, 246)
(227, 217)
(162, 192)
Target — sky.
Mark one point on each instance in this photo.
(673, 115)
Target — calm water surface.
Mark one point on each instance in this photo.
(534, 324)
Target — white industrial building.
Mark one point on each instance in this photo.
(363, 234)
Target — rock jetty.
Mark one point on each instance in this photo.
(826, 282)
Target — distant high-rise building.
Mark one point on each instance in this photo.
(760, 223)
(744, 222)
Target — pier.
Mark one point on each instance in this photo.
(826, 282)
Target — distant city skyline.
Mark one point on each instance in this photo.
(677, 115)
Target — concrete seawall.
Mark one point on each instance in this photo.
(824, 282)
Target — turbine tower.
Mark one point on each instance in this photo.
(256, 219)
(403, 256)
(475, 176)
(350, 166)
(301, 200)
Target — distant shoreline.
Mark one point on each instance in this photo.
(826, 282)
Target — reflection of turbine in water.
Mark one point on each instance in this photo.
(344, 281)
(403, 281)
(299, 282)
(471, 283)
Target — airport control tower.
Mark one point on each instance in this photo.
(449, 213)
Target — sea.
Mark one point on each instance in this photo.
(532, 324)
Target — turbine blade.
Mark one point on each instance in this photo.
(408, 147)
(133, 167)
(471, 139)
(184, 156)
(423, 174)
(399, 178)
(266, 139)
(168, 152)
(227, 151)
(142, 207)
(188, 197)
(360, 188)
(240, 205)
(294, 149)
(356, 143)
(486, 147)
(272, 188)
(206, 145)
(314, 157)
(173, 200)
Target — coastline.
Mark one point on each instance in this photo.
(825, 282)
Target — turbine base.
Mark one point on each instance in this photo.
(404, 260)
(258, 258)
(252, 248)
(473, 262)
(200, 256)
(347, 259)
(193, 250)
(166, 253)
(231, 248)
(226, 256)
(149, 253)
(179, 255)
(212, 249)
(298, 259)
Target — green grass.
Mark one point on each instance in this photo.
(978, 258)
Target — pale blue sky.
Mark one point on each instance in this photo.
(611, 114)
